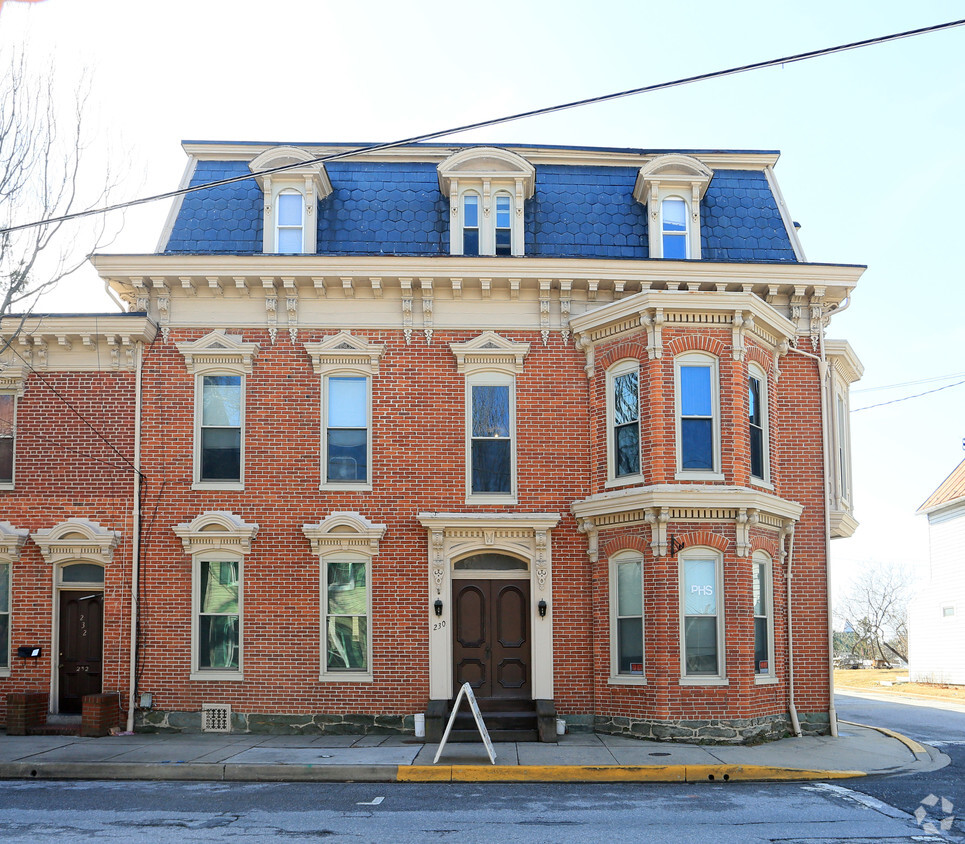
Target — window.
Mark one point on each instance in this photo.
(4, 618)
(623, 420)
(947, 612)
(8, 419)
(763, 616)
(290, 226)
(757, 422)
(626, 617)
(674, 219)
(504, 224)
(220, 428)
(470, 224)
(697, 433)
(701, 652)
(218, 601)
(346, 434)
(490, 438)
(842, 445)
(347, 609)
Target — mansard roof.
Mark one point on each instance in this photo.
(390, 203)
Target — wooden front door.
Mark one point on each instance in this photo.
(491, 644)
(81, 648)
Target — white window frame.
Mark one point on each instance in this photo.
(618, 369)
(462, 223)
(347, 485)
(720, 678)
(711, 361)
(842, 451)
(685, 235)
(762, 558)
(288, 190)
(491, 379)
(8, 653)
(511, 228)
(616, 677)
(672, 176)
(199, 482)
(198, 673)
(487, 223)
(347, 675)
(757, 372)
(15, 397)
(948, 611)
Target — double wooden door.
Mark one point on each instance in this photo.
(81, 654)
(491, 638)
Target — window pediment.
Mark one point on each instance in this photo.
(344, 351)
(490, 352)
(11, 541)
(13, 376)
(480, 164)
(303, 170)
(77, 539)
(216, 530)
(219, 351)
(344, 532)
(675, 171)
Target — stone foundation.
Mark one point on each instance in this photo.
(707, 731)
(160, 721)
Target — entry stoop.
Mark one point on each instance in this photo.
(506, 720)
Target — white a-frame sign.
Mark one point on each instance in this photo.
(466, 691)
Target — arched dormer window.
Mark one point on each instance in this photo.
(487, 189)
(291, 198)
(672, 187)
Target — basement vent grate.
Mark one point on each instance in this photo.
(216, 717)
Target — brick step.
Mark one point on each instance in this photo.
(54, 730)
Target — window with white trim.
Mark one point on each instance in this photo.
(8, 427)
(623, 421)
(491, 410)
(503, 235)
(672, 187)
(698, 416)
(761, 575)
(217, 615)
(347, 613)
(346, 437)
(220, 428)
(470, 224)
(757, 422)
(5, 569)
(701, 614)
(843, 442)
(290, 222)
(673, 220)
(626, 616)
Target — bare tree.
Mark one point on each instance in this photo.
(875, 612)
(44, 145)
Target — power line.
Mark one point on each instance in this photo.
(909, 383)
(906, 398)
(429, 136)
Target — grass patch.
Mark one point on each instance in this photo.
(870, 680)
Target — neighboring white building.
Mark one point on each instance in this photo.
(936, 622)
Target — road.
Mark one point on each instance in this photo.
(859, 811)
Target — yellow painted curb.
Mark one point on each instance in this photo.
(612, 773)
(910, 743)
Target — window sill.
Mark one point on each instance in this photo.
(627, 680)
(330, 487)
(765, 680)
(503, 500)
(4, 672)
(625, 480)
(704, 681)
(10, 485)
(698, 476)
(237, 486)
(762, 483)
(347, 677)
(217, 675)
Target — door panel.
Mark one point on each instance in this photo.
(491, 648)
(81, 648)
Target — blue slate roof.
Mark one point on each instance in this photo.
(396, 208)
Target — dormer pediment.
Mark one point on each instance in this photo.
(219, 350)
(676, 171)
(302, 167)
(480, 164)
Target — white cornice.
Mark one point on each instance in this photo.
(77, 540)
(489, 521)
(734, 160)
(845, 360)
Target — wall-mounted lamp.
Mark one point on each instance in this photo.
(541, 606)
(673, 546)
(438, 606)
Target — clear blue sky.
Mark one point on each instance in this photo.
(871, 144)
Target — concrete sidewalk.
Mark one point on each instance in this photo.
(579, 757)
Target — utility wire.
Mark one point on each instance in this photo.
(906, 398)
(429, 136)
(909, 383)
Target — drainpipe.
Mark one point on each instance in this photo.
(791, 706)
(823, 374)
(135, 539)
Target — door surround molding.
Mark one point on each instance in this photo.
(456, 535)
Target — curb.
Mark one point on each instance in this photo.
(227, 772)
(910, 743)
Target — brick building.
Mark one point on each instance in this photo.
(561, 423)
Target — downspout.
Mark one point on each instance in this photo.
(791, 706)
(823, 375)
(135, 539)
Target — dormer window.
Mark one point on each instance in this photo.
(487, 189)
(291, 198)
(672, 187)
(290, 222)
